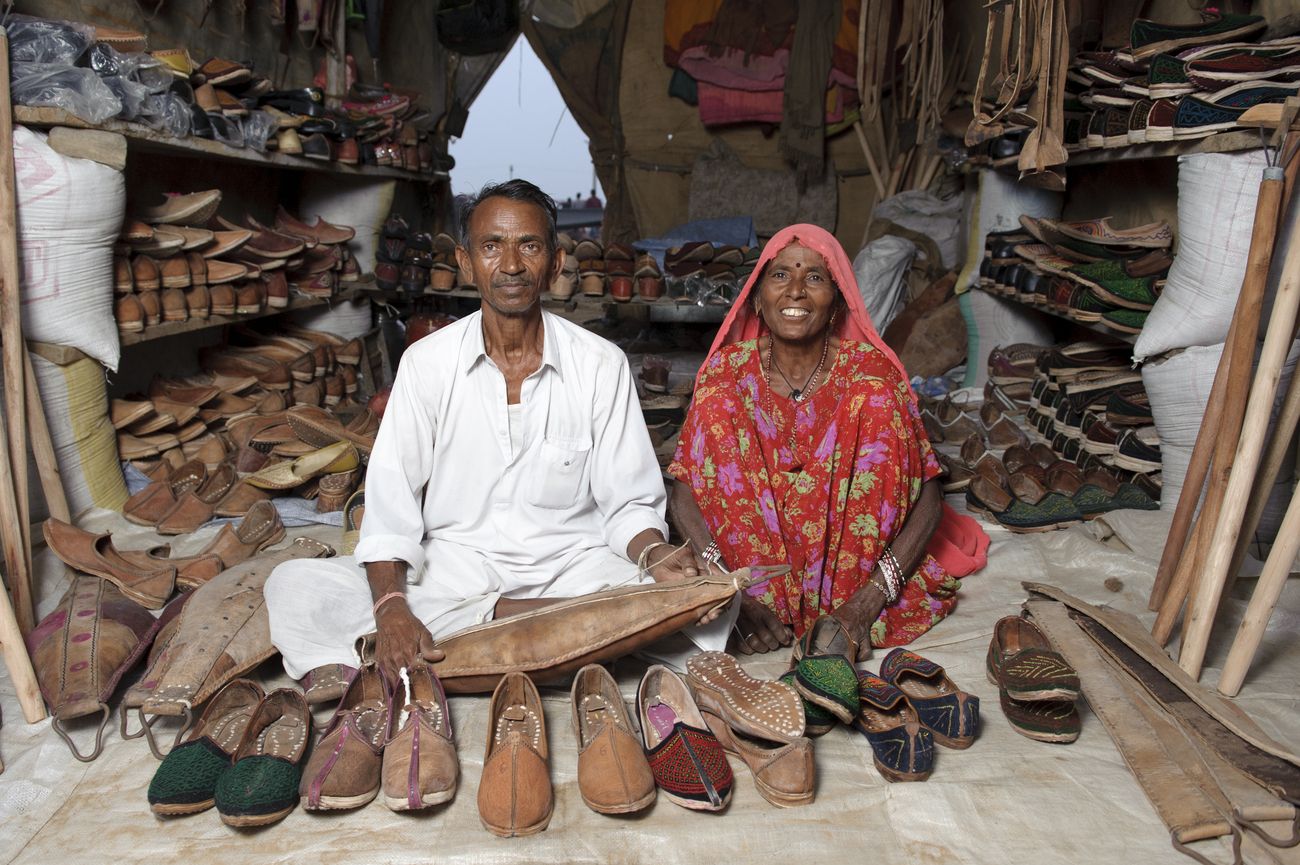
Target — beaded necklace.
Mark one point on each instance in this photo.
(796, 395)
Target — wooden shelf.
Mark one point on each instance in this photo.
(144, 139)
(172, 328)
(1221, 142)
(1094, 326)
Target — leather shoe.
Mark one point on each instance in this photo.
(514, 794)
(613, 775)
(344, 769)
(784, 773)
(419, 766)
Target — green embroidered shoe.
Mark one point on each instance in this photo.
(817, 721)
(824, 673)
(1134, 498)
(262, 787)
(1053, 511)
(1125, 320)
(187, 778)
(1152, 37)
(1111, 284)
(1086, 306)
(1167, 77)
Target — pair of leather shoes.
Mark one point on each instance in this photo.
(391, 736)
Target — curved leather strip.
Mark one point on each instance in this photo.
(314, 788)
(57, 724)
(413, 798)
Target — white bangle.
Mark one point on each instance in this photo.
(893, 573)
(645, 554)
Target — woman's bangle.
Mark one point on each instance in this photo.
(374, 611)
(893, 574)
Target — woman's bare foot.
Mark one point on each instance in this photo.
(759, 630)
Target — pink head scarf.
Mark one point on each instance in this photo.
(742, 323)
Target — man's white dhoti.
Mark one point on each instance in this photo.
(319, 607)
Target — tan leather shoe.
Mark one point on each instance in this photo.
(221, 272)
(277, 290)
(335, 490)
(211, 450)
(308, 394)
(514, 793)
(344, 769)
(758, 708)
(784, 772)
(269, 373)
(195, 507)
(153, 423)
(319, 426)
(198, 266)
(175, 272)
(152, 306)
(224, 242)
(248, 300)
(135, 574)
(241, 500)
(613, 775)
(334, 389)
(420, 767)
(124, 412)
(174, 307)
(123, 281)
(129, 314)
(144, 273)
(223, 299)
(260, 528)
(321, 231)
(198, 301)
(195, 208)
(149, 505)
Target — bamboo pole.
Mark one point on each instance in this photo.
(1250, 633)
(1221, 426)
(1211, 580)
(47, 463)
(12, 349)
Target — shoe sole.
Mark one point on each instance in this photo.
(500, 832)
(181, 810)
(341, 803)
(895, 776)
(1134, 464)
(693, 805)
(251, 820)
(404, 804)
(628, 808)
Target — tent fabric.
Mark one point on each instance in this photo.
(585, 62)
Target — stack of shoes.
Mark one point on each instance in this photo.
(619, 267)
(591, 267)
(1171, 82)
(565, 284)
(1087, 270)
(649, 278)
(1037, 687)
(391, 253)
(442, 273)
(698, 272)
(1011, 376)
(417, 262)
(291, 256)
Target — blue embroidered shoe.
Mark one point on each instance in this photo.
(951, 715)
(901, 748)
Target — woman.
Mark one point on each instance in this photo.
(804, 446)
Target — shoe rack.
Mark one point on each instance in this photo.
(143, 139)
(1222, 142)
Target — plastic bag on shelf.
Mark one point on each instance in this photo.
(167, 113)
(74, 89)
(44, 40)
(259, 126)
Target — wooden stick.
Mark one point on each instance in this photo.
(1221, 425)
(47, 463)
(871, 161)
(12, 350)
(1250, 633)
(1279, 447)
(1214, 575)
(19, 664)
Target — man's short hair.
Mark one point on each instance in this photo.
(515, 190)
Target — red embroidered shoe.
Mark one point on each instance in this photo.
(686, 759)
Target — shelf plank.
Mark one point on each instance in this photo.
(1222, 142)
(144, 139)
(172, 328)
(1095, 327)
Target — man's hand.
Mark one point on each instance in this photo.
(401, 640)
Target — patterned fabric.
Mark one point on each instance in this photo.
(1092, 499)
(1044, 720)
(1166, 69)
(260, 784)
(682, 761)
(817, 720)
(824, 485)
(1145, 32)
(188, 775)
(1034, 674)
(902, 661)
(829, 681)
(1134, 498)
(900, 751)
(1111, 277)
(878, 692)
(1052, 510)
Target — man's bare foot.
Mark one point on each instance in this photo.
(759, 630)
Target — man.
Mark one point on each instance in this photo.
(513, 468)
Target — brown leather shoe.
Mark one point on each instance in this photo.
(321, 231)
(344, 769)
(514, 793)
(125, 412)
(198, 301)
(248, 300)
(784, 774)
(269, 244)
(129, 314)
(221, 272)
(241, 499)
(277, 290)
(152, 306)
(139, 578)
(198, 268)
(175, 272)
(319, 427)
(223, 299)
(613, 775)
(225, 361)
(260, 528)
(757, 708)
(174, 306)
(194, 208)
(224, 242)
(123, 281)
(308, 394)
(194, 507)
(148, 506)
(145, 274)
(420, 767)
(335, 490)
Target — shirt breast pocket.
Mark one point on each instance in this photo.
(557, 475)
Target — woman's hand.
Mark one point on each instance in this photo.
(859, 613)
(758, 628)
(401, 640)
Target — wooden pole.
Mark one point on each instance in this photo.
(1224, 410)
(12, 350)
(19, 664)
(1250, 633)
(1213, 576)
(47, 463)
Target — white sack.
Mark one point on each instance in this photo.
(924, 213)
(991, 322)
(348, 319)
(362, 204)
(995, 202)
(69, 216)
(881, 268)
(1216, 212)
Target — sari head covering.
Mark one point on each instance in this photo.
(957, 548)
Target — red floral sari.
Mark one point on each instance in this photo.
(824, 485)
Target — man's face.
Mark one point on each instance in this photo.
(507, 256)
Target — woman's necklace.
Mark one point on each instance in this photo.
(798, 394)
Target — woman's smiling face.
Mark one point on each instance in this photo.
(796, 296)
